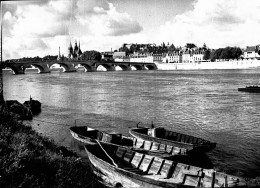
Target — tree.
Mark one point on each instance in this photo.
(190, 45)
(91, 55)
(215, 54)
(206, 55)
(172, 48)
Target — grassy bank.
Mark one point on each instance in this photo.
(28, 159)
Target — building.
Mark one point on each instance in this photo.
(141, 57)
(157, 57)
(251, 52)
(173, 57)
(107, 55)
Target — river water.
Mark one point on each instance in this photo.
(202, 103)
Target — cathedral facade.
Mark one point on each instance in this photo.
(74, 53)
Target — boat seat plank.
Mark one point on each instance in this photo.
(169, 148)
(176, 151)
(146, 163)
(191, 180)
(166, 169)
(178, 137)
(106, 138)
(187, 138)
(100, 135)
(155, 166)
(137, 159)
(120, 152)
(183, 138)
(155, 146)
(162, 147)
(128, 156)
(134, 141)
(147, 145)
(195, 140)
(174, 136)
(183, 151)
(139, 143)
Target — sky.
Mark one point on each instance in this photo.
(39, 28)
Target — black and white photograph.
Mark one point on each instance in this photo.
(130, 93)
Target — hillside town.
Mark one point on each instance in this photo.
(190, 53)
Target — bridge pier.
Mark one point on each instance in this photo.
(19, 71)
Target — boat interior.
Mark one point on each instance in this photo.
(161, 132)
(161, 169)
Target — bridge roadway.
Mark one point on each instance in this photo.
(69, 65)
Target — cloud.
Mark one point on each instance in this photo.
(49, 20)
(218, 23)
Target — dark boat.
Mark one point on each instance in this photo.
(251, 89)
(34, 105)
(123, 167)
(88, 135)
(166, 137)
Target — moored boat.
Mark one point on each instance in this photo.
(251, 89)
(124, 167)
(170, 138)
(88, 135)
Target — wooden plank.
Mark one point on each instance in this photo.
(169, 148)
(178, 137)
(187, 139)
(120, 152)
(166, 168)
(176, 151)
(183, 138)
(155, 146)
(155, 166)
(137, 159)
(147, 145)
(139, 143)
(128, 156)
(162, 147)
(146, 163)
(106, 138)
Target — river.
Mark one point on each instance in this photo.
(202, 103)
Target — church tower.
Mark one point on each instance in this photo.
(70, 51)
(80, 52)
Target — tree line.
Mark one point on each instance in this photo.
(223, 53)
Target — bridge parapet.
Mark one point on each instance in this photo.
(91, 65)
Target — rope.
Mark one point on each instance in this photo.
(107, 154)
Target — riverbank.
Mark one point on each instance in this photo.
(28, 159)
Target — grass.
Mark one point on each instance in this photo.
(30, 160)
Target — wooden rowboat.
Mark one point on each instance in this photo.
(170, 138)
(123, 167)
(88, 135)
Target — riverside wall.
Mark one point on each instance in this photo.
(233, 64)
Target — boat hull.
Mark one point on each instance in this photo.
(189, 147)
(112, 166)
(250, 90)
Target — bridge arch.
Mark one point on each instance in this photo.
(138, 67)
(14, 69)
(150, 67)
(123, 67)
(87, 67)
(41, 68)
(108, 67)
(64, 66)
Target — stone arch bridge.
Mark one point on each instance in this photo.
(90, 65)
